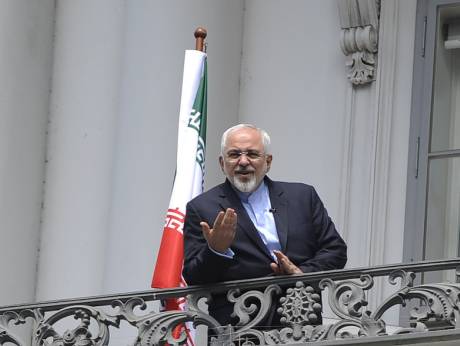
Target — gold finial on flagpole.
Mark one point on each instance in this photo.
(200, 35)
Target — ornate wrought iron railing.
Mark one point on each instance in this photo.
(90, 321)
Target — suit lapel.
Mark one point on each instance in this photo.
(280, 205)
(229, 199)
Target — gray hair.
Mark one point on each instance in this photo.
(263, 133)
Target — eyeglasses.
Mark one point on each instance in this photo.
(235, 155)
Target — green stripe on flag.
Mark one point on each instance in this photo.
(198, 115)
(201, 101)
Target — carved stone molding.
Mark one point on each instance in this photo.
(359, 20)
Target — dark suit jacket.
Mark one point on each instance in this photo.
(306, 233)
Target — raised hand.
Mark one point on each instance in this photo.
(284, 265)
(222, 233)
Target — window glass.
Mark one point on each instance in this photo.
(445, 116)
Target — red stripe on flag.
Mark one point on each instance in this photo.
(169, 262)
(168, 268)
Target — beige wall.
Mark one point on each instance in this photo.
(277, 64)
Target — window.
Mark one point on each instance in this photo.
(433, 199)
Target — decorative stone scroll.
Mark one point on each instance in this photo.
(359, 20)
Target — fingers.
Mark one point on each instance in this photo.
(219, 219)
(229, 219)
(285, 265)
(225, 219)
(281, 257)
(206, 230)
(221, 236)
(275, 268)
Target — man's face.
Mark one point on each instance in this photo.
(244, 161)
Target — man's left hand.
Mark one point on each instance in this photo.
(284, 265)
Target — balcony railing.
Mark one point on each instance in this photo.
(433, 313)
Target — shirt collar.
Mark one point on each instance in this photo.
(256, 195)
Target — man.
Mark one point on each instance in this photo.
(251, 226)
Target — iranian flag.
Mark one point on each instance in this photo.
(188, 181)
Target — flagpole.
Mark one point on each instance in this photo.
(188, 180)
(200, 35)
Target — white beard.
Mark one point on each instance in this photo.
(246, 186)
